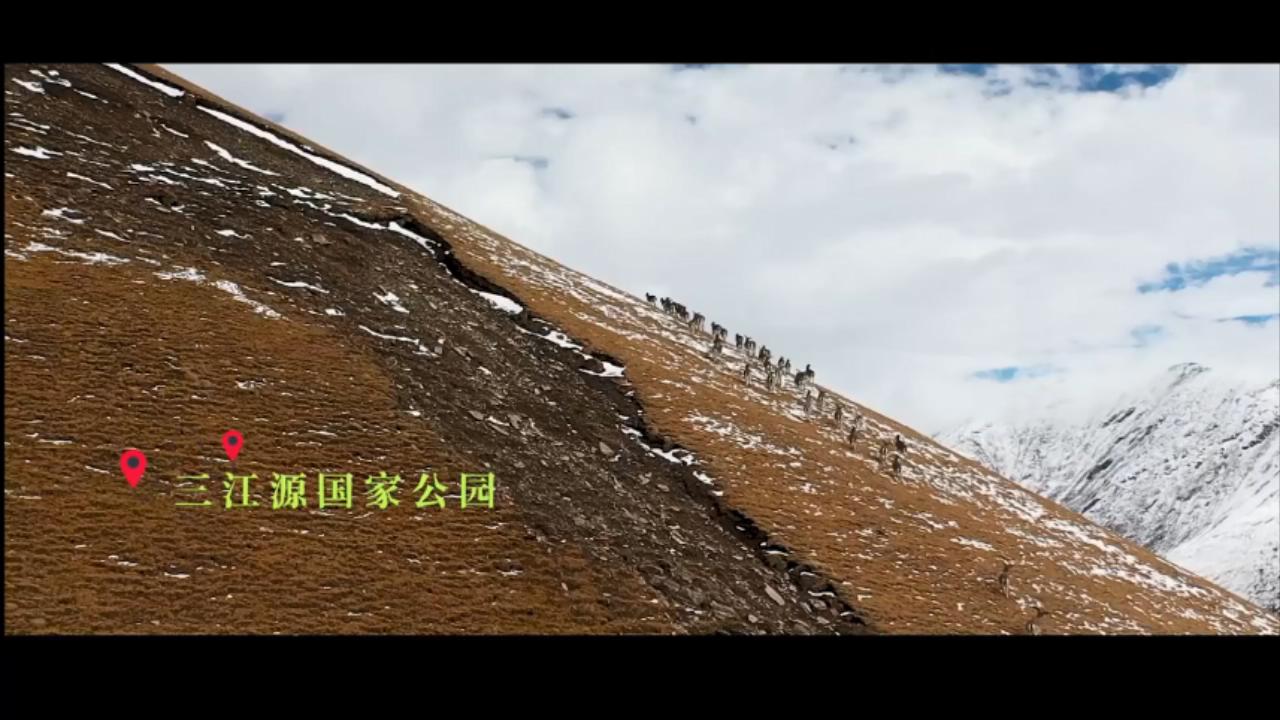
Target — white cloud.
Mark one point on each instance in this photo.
(948, 232)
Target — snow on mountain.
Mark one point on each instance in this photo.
(651, 482)
(1188, 466)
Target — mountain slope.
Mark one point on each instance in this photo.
(1188, 467)
(175, 266)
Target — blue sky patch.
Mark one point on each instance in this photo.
(1179, 276)
(975, 69)
(1009, 374)
(1144, 335)
(1252, 319)
(1093, 78)
(275, 117)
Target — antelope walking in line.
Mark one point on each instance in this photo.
(804, 377)
(1004, 576)
(882, 453)
(1033, 625)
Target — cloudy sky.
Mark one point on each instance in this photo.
(941, 243)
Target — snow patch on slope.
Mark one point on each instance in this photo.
(279, 142)
(169, 90)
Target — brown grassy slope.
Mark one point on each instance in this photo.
(891, 547)
(107, 346)
(913, 557)
(169, 375)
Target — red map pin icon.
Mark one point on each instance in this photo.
(133, 463)
(232, 441)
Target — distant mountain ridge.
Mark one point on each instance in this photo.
(1188, 466)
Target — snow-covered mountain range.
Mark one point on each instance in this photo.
(1188, 466)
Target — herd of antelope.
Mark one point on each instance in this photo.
(889, 453)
